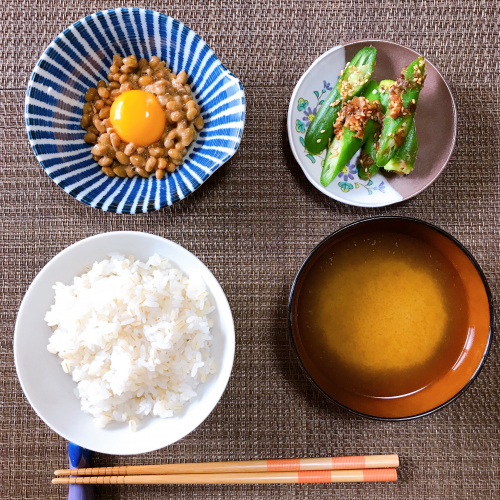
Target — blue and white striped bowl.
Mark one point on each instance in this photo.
(81, 56)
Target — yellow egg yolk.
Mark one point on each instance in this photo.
(138, 117)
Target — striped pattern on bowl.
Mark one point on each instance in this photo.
(81, 56)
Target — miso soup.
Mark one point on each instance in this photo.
(381, 315)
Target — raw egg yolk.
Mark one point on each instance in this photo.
(138, 117)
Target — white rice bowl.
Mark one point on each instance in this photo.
(134, 336)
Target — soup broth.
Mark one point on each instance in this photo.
(381, 315)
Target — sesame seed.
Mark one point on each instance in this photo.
(323, 131)
(413, 101)
(319, 140)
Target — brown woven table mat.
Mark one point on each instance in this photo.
(252, 224)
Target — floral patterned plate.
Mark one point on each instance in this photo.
(436, 122)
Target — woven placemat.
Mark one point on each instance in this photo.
(252, 224)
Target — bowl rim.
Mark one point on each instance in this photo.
(150, 207)
(467, 254)
(290, 124)
(223, 376)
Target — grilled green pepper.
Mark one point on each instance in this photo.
(351, 83)
(384, 87)
(403, 161)
(403, 100)
(343, 149)
(367, 160)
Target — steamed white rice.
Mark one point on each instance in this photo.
(134, 336)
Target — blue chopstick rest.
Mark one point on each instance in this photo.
(79, 457)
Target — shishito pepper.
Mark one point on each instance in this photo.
(356, 122)
(351, 83)
(403, 161)
(403, 97)
(367, 160)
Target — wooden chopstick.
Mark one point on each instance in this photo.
(315, 476)
(281, 465)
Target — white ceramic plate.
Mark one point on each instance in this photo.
(435, 119)
(50, 390)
